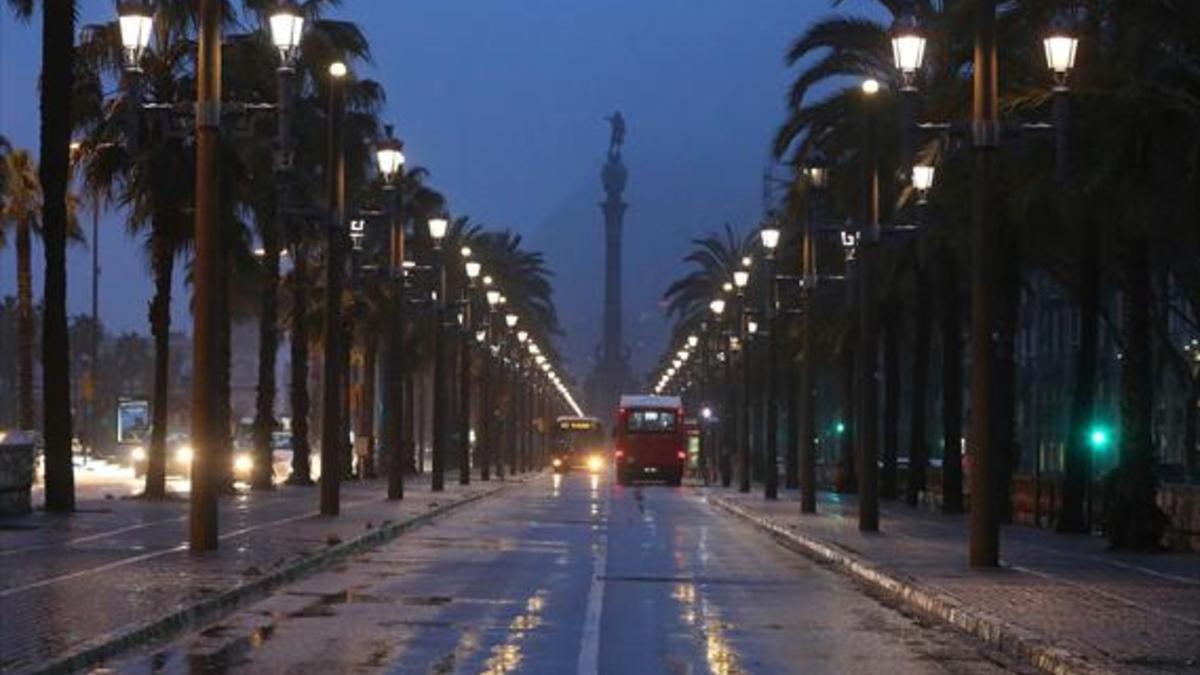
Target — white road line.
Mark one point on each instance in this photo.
(589, 644)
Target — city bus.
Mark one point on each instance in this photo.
(651, 439)
(579, 443)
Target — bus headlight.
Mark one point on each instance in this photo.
(243, 463)
(137, 454)
(183, 454)
(595, 463)
(557, 463)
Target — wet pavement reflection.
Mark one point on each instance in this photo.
(569, 574)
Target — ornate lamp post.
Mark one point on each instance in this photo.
(441, 418)
(473, 269)
(389, 157)
(333, 432)
(985, 137)
(770, 241)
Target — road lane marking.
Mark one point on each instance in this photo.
(589, 644)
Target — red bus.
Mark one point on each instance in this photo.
(650, 439)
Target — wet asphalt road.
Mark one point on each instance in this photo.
(567, 575)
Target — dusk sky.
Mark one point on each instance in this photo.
(503, 100)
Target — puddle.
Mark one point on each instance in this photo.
(427, 601)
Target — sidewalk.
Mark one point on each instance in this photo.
(1064, 603)
(118, 571)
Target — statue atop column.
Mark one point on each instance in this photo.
(612, 374)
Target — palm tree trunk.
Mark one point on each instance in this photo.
(57, 82)
(268, 347)
(791, 456)
(223, 467)
(952, 385)
(160, 328)
(25, 329)
(1135, 520)
(1075, 463)
(918, 452)
(301, 464)
(891, 401)
(845, 480)
(1004, 441)
(366, 410)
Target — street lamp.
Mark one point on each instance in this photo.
(437, 230)
(1060, 55)
(510, 320)
(493, 297)
(908, 47)
(473, 269)
(287, 25)
(692, 341)
(389, 157)
(770, 240)
(922, 181)
(740, 279)
(136, 21)
(870, 86)
(717, 306)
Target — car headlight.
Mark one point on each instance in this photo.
(183, 454)
(243, 463)
(557, 462)
(595, 463)
(138, 454)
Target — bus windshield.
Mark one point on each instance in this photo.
(578, 434)
(650, 421)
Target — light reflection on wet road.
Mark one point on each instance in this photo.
(567, 575)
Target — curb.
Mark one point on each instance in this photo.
(166, 625)
(907, 594)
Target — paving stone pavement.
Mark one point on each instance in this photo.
(1139, 612)
(70, 581)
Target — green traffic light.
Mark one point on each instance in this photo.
(840, 427)
(1098, 438)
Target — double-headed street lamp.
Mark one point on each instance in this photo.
(985, 135)
(135, 23)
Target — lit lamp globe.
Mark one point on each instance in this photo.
(752, 327)
(1060, 55)
(683, 354)
(338, 70)
(870, 87)
(473, 269)
(717, 306)
(908, 48)
(510, 320)
(692, 340)
(493, 298)
(741, 278)
(136, 21)
(437, 230)
(389, 156)
(522, 336)
(770, 239)
(287, 26)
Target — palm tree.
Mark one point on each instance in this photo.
(58, 64)
(21, 211)
(149, 171)
(715, 257)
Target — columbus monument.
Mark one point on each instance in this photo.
(612, 374)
